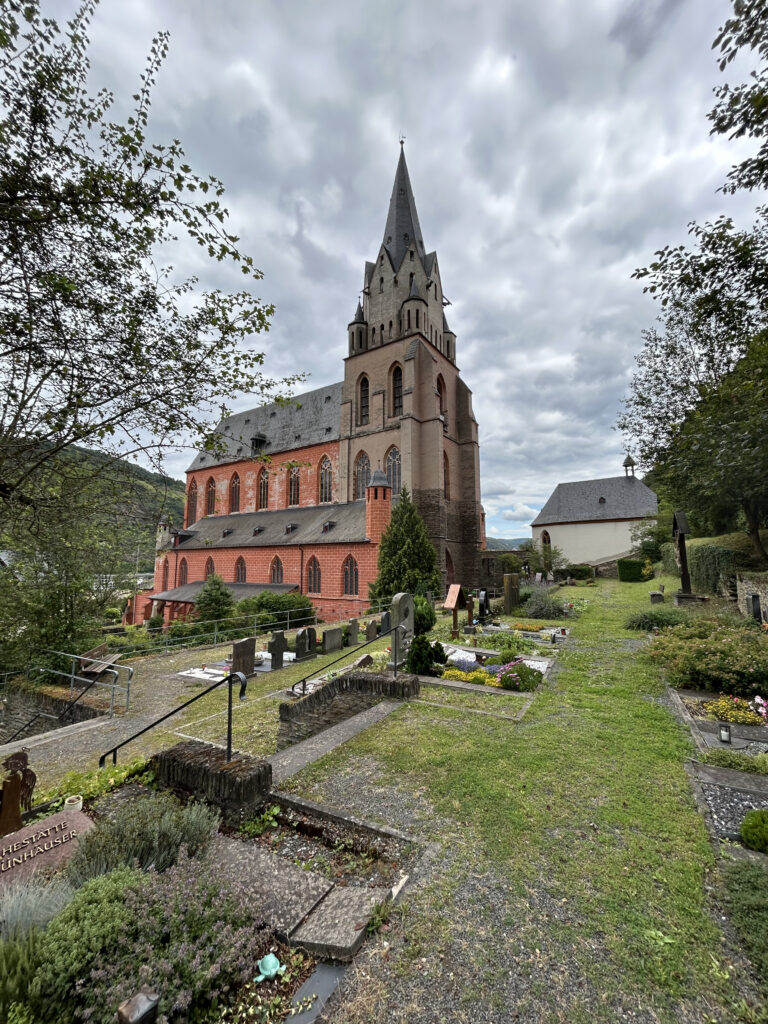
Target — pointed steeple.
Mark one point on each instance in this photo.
(414, 292)
(402, 230)
(359, 319)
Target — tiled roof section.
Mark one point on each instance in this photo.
(429, 262)
(402, 229)
(188, 593)
(359, 319)
(445, 325)
(625, 497)
(239, 530)
(303, 421)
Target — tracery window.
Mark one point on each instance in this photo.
(394, 472)
(362, 474)
(313, 576)
(210, 569)
(234, 493)
(350, 576)
(446, 477)
(293, 486)
(263, 489)
(397, 391)
(276, 570)
(240, 572)
(192, 504)
(210, 497)
(363, 405)
(326, 480)
(183, 572)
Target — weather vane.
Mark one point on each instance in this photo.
(402, 139)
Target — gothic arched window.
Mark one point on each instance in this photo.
(350, 576)
(326, 480)
(397, 391)
(183, 572)
(276, 570)
(210, 568)
(362, 474)
(210, 497)
(234, 493)
(546, 540)
(363, 400)
(441, 393)
(192, 504)
(293, 486)
(165, 575)
(240, 570)
(446, 477)
(263, 489)
(313, 576)
(394, 475)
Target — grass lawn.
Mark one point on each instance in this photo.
(599, 888)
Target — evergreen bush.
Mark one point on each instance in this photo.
(424, 616)
(707, 655)
(754, 830)
(710, 564)
(658, 617)
(407, 558)
(579, 572)
(630, 570)
(19, 960)
(668, 563)
(214, 600)
(419, 659)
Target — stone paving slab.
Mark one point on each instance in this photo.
(746, 782)
(288, 893)
(336, 928)
(291, 760)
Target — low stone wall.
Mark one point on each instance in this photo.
(337, 700)
(201, 769)
(19, 706)
(748, 584)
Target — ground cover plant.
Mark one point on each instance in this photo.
(737, 760)
(562, 890)
(710, 655)
(658, 617)
(733, 709)
(746, 887)
(754, 830)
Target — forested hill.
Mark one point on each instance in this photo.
(504, 544)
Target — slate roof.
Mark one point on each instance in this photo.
(626, 497)
(209, 533)
(188, 593)
(402, 218)
(311, 418)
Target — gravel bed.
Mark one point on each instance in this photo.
(728, 807)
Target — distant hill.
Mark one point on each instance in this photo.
(501, 543)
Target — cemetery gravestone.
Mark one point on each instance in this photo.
(386, 623)
(483, 607)
(44, 844)
(537, 578)
(511, 591)
(332, 639)
(402, 612)
(470, 611)
(277, 647)
(244, 655)
(371, 630)
(305, 643)
(354, 627)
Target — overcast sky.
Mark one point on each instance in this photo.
(552, 147)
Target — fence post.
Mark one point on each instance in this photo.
(215, 632)
(288, 621)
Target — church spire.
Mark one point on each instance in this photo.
(402, 230)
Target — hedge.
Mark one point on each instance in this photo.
(630, 570)
(668, 559)
(709, 564)
(580, 572)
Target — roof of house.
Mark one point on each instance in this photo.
(614, 497)
(188, 593)
(346, 526)
(311, 418)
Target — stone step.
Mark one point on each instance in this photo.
(336, 928)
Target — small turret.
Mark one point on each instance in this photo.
(378, 505)
(164, 537)
(413, 312)
(358, 332)
(629, 466)
(448, 347)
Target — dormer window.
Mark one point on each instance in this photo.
(226, 533)
(291, 528)
(257, 530)
(601, 501)
(328, 526)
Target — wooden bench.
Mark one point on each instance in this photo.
(94, 662)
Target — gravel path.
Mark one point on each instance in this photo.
(728, 807)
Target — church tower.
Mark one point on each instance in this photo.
(404, 405)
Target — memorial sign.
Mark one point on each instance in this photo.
(44, 845)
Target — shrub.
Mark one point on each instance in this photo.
(732, 709)
(706, 655)
(657, 617)
(710, 564)
(542, 606)
(424, 616)
(149, 831)
(19, 961)
(630, 570)
(31, 903)
(518, 676)
(746, 887)
(738, 761)
(439, 657)
(754, 830)
(668, 561)
(580, 572)
(419, 659)
(155, 623)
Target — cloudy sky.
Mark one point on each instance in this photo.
(552, 147)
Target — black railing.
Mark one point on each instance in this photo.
(395, 630)
(90, 683)
(232, 677)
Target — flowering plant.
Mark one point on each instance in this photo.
(728, 708)
(760, 707)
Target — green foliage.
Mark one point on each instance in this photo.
(630, 570)
(30, 904)
(732, 709)
(746, 888)
(656, 617)
(520, 677)
(420, 656)
(754, 830)
(272, 610)
(705, 654)
(260, 823)
(668, 562)
(20, 1013)
(149, 831)
(579, 572)
(737, 760)
(542, 558)
(439, 657)
(541, 605)
(710, 564)
(155, 623)
(19, 959)
(407, 558)
(510, 563)
(214, 601)
(424, 616)
(96, 781)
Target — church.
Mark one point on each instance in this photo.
(301, 493)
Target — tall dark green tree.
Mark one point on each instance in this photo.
(214, 601)
(407, 557)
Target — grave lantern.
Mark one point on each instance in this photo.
(725, 732)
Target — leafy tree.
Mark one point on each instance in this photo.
(214, 601)
(407, 558)
(100, 344)
(542, 557)
(510, 563)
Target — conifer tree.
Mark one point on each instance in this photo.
(214, 600)
(407, 557)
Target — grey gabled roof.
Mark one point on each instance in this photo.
(402, 219)
(626, 497)
(188, 593)
(311, 418)
(209, 533)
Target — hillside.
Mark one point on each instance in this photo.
(504, 544)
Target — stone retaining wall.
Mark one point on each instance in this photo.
(200, 769)
(19, 706)
(747, 584)
(337, 700)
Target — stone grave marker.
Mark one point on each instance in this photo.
(277, 647)
(483, 606)
(371, 630)
(511, 591)
(386, 622)
(537, 578)
(332, 639)
(305, 643)
(244, 655)
(18, 783)
(44, 844)
(402, 612)
(354, 628)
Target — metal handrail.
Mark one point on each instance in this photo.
(303, 682)
(227, 679)
(70, 704)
